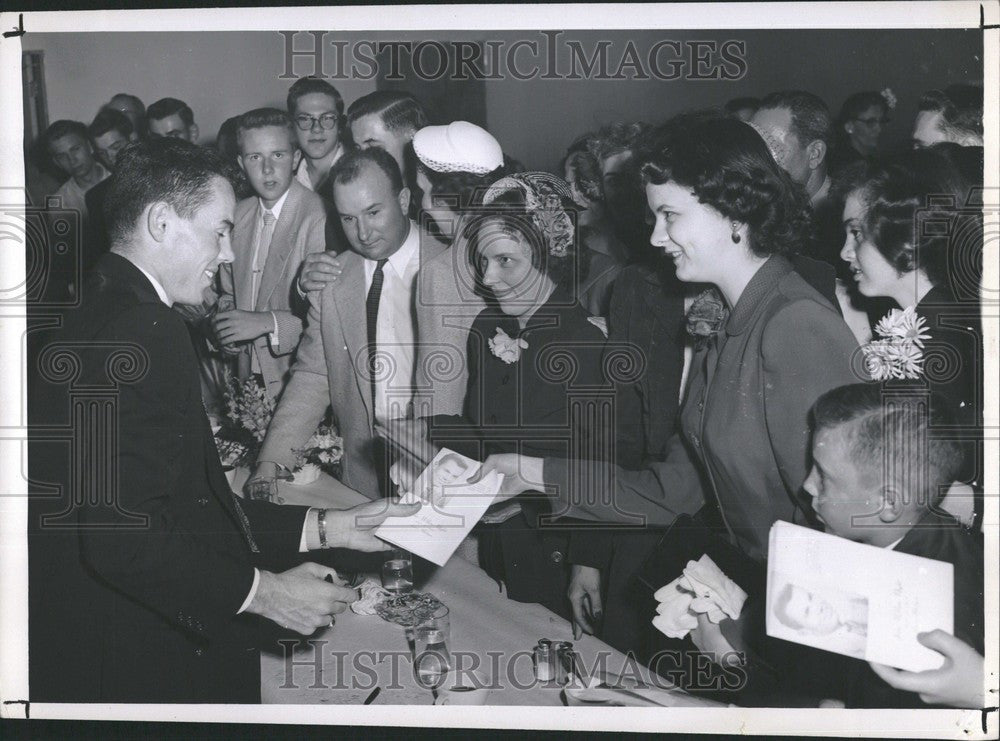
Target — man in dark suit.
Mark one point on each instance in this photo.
(147, 573)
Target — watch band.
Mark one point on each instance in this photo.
(321, 521)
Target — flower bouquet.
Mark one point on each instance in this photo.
(899, 354)
(248, 413)
(323, 452)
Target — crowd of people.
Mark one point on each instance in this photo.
(684, 324)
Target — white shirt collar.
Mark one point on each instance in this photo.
(401, 258)
(276, 208)
(156, 284)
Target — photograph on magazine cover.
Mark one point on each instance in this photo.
(377, 360)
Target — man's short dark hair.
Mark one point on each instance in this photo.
(166, 107)
(108, 119)
(399, 110)
(961, 109)
(898, 433)
(160, 169)
(259, 118)
(310, 85)
(61, 128)
(811, 118)
(351, 165)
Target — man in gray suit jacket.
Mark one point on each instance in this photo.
(273, 232)
(357, 351)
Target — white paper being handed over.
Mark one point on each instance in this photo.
(855, 599)
(451, 507)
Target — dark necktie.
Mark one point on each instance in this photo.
(371, 312)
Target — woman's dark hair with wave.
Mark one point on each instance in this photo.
(729, 167)
(913, 212)
(509, 215)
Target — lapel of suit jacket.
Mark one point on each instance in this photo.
(282, 243)
(243, 264)
(349, 298)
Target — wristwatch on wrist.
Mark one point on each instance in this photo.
(321, 522)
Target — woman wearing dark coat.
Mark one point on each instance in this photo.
(535, 376)
(909, 239)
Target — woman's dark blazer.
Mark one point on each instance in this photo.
(744, 422)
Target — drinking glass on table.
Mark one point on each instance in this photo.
(431, 656)
(397, 572)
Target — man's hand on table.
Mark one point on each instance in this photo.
(521, 473)
(300, 599)
(584, 595)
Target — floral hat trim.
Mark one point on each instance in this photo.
(544, 196)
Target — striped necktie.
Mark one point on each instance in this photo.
(260, 255)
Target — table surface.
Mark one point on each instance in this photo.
(344, 663)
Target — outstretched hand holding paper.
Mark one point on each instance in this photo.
(452, 506)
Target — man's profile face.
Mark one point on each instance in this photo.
(927, 129)
(374, 218)
(109, 145)
(173, 127)
(370, 131)
(315, 111)
(73, 155)
(269, 157)
(196, 246)
(812, 612)
(793, 157)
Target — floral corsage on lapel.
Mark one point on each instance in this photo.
(707, 316)
(506, 347)
(900, 352)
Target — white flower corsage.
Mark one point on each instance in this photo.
(506, 347)
(889, 97)
(899, 354)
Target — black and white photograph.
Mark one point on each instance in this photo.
(645, 285)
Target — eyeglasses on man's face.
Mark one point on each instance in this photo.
(872, 120)
(327, 121)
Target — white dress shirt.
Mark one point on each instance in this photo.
(396, 329)
(302, 172)
(259, 258)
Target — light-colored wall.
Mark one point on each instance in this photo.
(223, 74)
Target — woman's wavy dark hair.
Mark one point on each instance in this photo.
(729, 167)
(509, 215)
(913, 213)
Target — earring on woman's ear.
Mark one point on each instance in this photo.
(736, 234)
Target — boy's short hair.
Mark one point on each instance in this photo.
(109, 119)
(399, 110)
(312, 84)
(259, 118)
(166, 107)
(352, 164)
(895, 432)
(62, 128)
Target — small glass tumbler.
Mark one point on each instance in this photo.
(431, 654)
(397, 572)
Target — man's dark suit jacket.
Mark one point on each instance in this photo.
(135, 588)
(95, 238)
